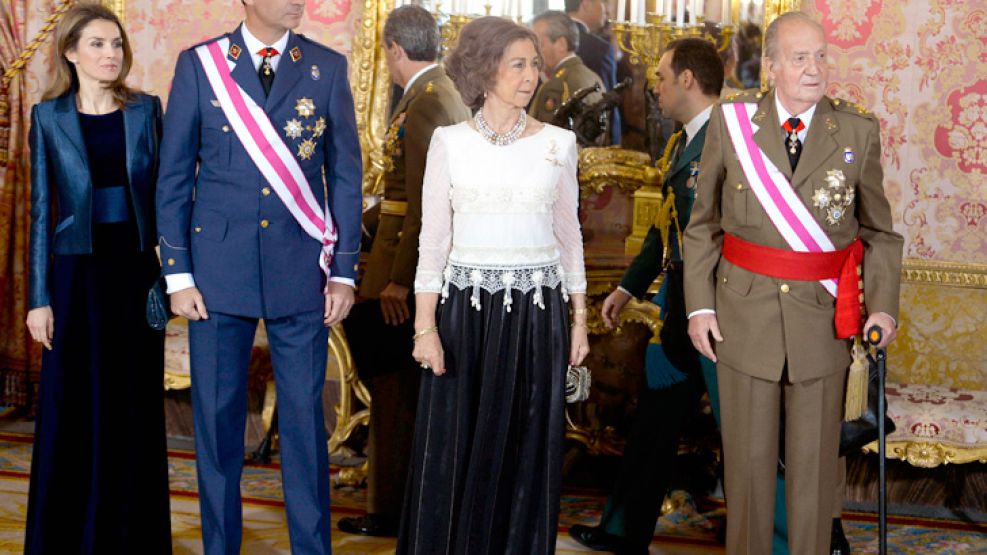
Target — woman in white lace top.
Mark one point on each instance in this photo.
(501, 261)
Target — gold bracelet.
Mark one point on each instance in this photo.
(579, 311)
(422, 333)
(578, 325)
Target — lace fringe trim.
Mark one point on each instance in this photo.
(505, 279)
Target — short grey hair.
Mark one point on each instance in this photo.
(414, 30)
(771, 35)
(558, 24)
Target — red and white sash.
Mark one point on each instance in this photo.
(784, 207)
(267, 149)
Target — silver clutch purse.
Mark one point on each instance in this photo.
(577, 383)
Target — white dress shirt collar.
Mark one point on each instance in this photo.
(254, 45)
(784, 115)
(695, 124)
(419, 73)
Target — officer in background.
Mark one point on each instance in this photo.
(558, 36)
(380, 329)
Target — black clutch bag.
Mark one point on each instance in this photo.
(158, 310)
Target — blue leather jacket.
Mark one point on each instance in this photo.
(61, 184)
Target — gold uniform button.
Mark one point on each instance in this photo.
(785, 288)
(171, 261)
(740, 186)
(399, 235)
(724, 279)
(226, 129)
(264, 223)
(265, 191)
(198, 229)
(356, 267)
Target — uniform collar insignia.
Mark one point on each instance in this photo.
(234, 52)
(295, 53)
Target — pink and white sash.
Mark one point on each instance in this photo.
(784, 207)
(267, 149)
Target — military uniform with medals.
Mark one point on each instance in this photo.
(224, 228)
(779, 336)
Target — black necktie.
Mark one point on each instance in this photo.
(266, 70)
(792, 142)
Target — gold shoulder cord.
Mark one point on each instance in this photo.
(667, 214)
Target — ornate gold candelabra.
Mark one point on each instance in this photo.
(646, 42)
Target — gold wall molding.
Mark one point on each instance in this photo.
(119, 7)
(371, 85)
(953, 274)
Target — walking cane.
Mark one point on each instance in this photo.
(874, 336)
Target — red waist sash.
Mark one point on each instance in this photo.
(844, 265)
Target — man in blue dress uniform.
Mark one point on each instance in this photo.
(236, 249)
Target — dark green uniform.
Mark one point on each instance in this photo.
(390, 374)
(675, 380)
(569, 76)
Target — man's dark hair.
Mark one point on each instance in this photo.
(558, 24)
(701, 58)
(415, 30)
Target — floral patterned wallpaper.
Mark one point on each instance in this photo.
(160, 29)
(921, 66)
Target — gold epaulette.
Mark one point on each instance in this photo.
(852, 108)
(430, 88)
(749, 95)
(560, 73)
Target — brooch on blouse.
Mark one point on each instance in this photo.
(553, 151)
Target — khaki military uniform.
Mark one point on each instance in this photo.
(570, 76)
(383, 353)
(779, 338)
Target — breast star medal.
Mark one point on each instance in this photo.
(320, 127)
(306, 149)
(293, 129)
(835, 198)
(305, 107)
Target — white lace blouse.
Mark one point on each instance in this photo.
(500, 217)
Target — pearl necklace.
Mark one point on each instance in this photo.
(496, 138)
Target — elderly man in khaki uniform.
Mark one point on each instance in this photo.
(790, 211)
(559, 38)
(380, 328)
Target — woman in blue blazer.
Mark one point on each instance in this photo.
(99, 472)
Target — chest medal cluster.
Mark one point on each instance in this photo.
(296, 128)
(835, 198)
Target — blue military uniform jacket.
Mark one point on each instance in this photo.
(219, 219)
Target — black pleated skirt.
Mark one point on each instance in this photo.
(99, 470)
(487, 454)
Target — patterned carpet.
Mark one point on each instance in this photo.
(685, 530)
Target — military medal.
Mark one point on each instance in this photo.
(293, 129)
(848, 156)
(835, 198)
(320, 127)
(295, 54)
(315, 73)
(305, 107)
(306, 149)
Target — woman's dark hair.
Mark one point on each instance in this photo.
(474, 62)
